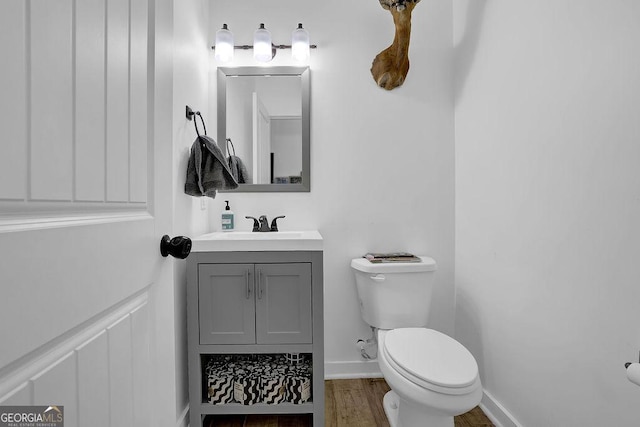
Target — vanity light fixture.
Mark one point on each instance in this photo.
(300, 44)
(224, 44)
(263, 48)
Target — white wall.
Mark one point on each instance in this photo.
(547, 205)
(190, 85)
(381, 162)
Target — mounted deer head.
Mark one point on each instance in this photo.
(391, 66)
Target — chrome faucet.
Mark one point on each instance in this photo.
(262, 224)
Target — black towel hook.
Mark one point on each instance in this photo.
(190, 113)
(232, 147)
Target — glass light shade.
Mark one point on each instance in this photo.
(262, 45)
(224, 44)
(300, 44)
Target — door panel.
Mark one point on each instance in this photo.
(226, 304)
(13, 103)
(51, 103)
(93, 374)
(138, 138)
(118, 114)
(57, 279)
(58, 384)
(81, 211)
(90, 96)
(121, 394)
(283, 303)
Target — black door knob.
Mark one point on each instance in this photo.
(178, 247)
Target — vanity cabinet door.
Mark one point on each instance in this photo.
(226, 307)
(283, 303)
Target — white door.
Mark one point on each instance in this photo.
(261, 142)
(82, 209)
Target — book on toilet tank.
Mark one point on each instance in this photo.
(391, 257)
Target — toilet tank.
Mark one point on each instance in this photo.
(395, 295)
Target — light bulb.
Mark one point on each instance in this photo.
(224, 44)
(262, 45)
(300, 44)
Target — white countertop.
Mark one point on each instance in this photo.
(235, 241)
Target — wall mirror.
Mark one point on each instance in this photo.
(263, 120)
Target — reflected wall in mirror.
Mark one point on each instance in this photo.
(263, 114)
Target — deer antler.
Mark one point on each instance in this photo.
(390, 67)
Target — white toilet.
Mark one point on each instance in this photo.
(432, 376)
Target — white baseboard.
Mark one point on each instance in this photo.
(350, 369)
(496, 412)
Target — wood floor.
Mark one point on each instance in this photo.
(348, 403)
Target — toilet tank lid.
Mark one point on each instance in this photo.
(362, 264)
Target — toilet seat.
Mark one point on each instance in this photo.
(431, 359)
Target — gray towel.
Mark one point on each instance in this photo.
(238, 170)
(207, 170)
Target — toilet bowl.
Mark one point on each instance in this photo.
(432, 376)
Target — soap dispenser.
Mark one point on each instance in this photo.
(228, 220)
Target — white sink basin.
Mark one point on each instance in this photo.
(248, 241)
(248, 235)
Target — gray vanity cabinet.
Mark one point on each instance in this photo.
(255, 303)
(259, 304)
